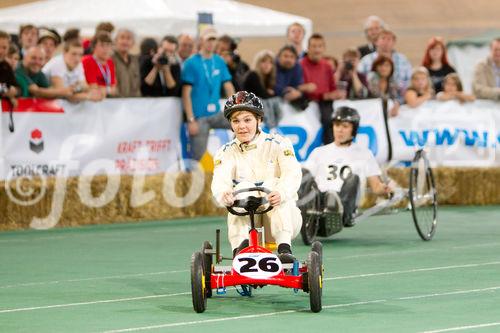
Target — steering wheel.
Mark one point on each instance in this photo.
(251, 203)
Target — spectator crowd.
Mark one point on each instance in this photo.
(38, 62)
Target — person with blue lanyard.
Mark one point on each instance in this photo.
(203, 75)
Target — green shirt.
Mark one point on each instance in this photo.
(25, 79)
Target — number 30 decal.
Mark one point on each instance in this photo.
(257, 265)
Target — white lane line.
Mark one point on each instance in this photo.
(92, 302)
(411, 271)
(458, 292)
(462, 328)
(260, 315)
(392, 253)
(29, 284)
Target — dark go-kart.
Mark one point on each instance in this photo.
(421, 194)
(254, 266)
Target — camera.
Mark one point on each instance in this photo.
(348, 65)
(3, 88)
(163, 60)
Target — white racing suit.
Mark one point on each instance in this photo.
(270, 159)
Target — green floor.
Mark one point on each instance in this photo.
(379, 277)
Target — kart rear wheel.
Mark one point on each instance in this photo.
(315, 281)
(309, 204)
(423, 196)
(207, 265)
(198, 290)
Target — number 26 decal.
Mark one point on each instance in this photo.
(257, 265)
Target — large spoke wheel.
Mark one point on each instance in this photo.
(309, 204)
(423, 196)
(198, 290)
(207, 266)
(315, 281)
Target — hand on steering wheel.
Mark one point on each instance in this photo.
(228, 198)
(274, 198)
(251, 203)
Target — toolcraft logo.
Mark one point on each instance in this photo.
(36, 141)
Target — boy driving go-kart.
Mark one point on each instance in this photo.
(264, 160)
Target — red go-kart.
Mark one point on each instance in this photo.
(254, 266)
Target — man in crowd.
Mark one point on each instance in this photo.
(290, 78)
(161, 72)
(203, 76)
(385, 46)
(28, 37)
(99, 67)
(32, 81)
(7, 79)
(226, 47)
(373, 26)
(186, 47)
(295, 36)
(321, 89)
(66, 71)
(126, 65)
(486, 82)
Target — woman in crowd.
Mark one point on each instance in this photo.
(260, 81)
(436, 62)
(420, 89)
(452, 89)
(382, 84)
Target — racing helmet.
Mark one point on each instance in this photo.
(243, 101)
(345, 113)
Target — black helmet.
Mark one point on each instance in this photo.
(345, 113)
(243, 101)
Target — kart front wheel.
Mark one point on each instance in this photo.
(207, 266)
(315, 281)
(198, 290)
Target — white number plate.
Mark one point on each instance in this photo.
(257, 265)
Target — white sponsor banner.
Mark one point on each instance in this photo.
(113, 136)
(453, 134)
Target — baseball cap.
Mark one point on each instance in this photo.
(208, 33)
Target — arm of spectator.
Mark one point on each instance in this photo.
(11, 92)
(151, 77)
(308, 88)
(229, 88)
(187, 103)
(394, 111)
(36, 91)
(444, 96)
(463, 97)
(413, 100)
(291, 94)
(480, 85)
(169, 78)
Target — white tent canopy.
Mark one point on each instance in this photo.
(153, 18)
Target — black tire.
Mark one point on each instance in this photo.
(423, 197)
(309, 205)
(207, 265)
(315, 281)
(198, 290)
(318, 248)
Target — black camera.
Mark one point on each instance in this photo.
(163, 60)
(3, 88)
(348, 65)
